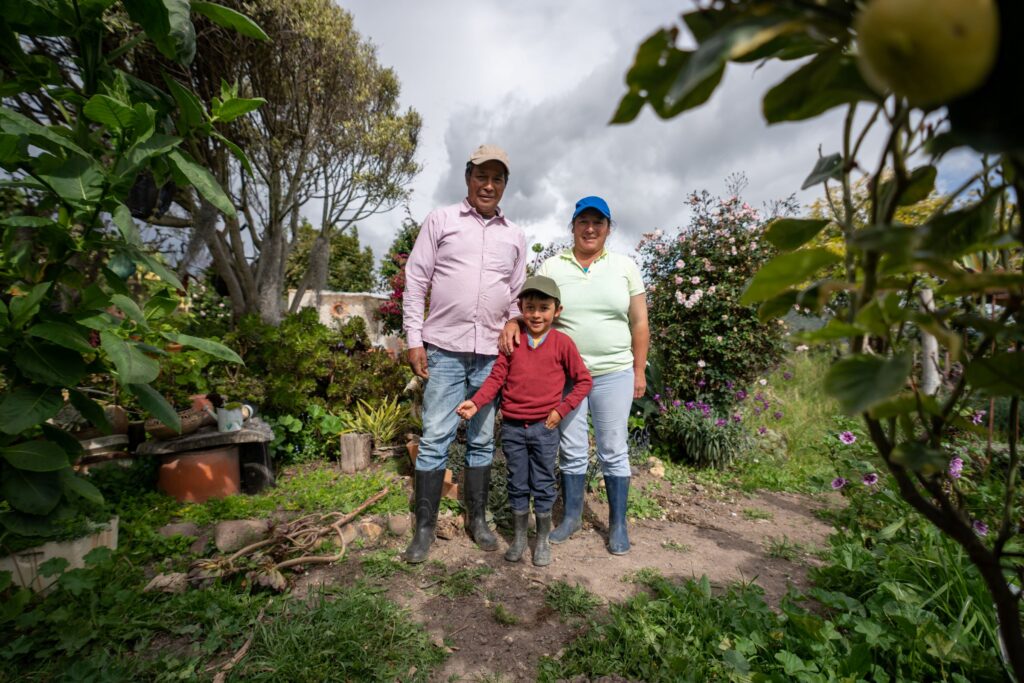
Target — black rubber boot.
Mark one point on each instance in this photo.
(572, 507)
(542, 551)
(428, 498)
(618, 495)
(521, 521)
(478, 486)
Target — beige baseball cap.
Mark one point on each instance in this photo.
(485, 153)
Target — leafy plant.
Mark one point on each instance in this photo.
(384, 422)
(570, 601)
(694, 434)
(87, 147)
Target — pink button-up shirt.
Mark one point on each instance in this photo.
(474, 268)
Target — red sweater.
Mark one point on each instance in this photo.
(532, 380)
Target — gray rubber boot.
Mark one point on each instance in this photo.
(618, 495)
(515, 551)
(428, 499)
(478, 487)
(542, 551)
(572, 507)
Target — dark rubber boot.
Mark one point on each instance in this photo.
(515, 551)
(478, 486)
(618, 495)
(428, 498)
(572, 503)
(542, 551)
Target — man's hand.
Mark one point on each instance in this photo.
(509, 338)
(639, 384)
(466, 410)
(417, 359)
(553, 419)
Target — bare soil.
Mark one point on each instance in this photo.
(718, 533)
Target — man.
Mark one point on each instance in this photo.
(473, 261)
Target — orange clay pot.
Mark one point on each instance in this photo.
(197, 476)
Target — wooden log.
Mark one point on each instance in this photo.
(355, 452)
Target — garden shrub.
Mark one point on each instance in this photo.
(700, 332)
(693, 433)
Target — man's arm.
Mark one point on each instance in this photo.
(419, 270)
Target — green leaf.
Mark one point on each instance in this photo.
(918, 457)
(833, 331)
(975, 283)
(130, 309)
(1001, 374)
(229, 18)
(826, 168)
(161, 271)
(778, 306)
(919, 187)
(15, 604)
(736, 662)
(235, 150)
(160, 306)
(784, 271)
(905, 404)
(156, 405)
(49, 364)
(77, 180)
(122, 264)
(35, 493)
(214, 348)
(827, 81)
(202, 180)
(193, 114)
(62, 334)
(80, 486)
(104, 109)
(27, 222)
(13, 123)
(860, 382)
(126, 225)
(237, 106)
(71, 446)
(35, 456)
(133, 367)
(879, 315)
(791, 233)
(957, 233)
(790, 662)
(90, 410)
(27, 406)
(168, 25)
(153, 146)
(24, 307)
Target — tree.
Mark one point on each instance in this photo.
(968, 251)
(349, 269)
(330, 133)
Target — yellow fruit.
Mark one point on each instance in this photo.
(929, 51)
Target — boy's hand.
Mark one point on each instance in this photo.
(467, 409)
(553, 419)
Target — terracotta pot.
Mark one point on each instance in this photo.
(200, 402)
(198, 476)
(173, 347)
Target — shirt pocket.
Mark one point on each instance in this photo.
(500, 256)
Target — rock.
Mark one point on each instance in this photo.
(176, 582)
(371, 531)
(179, 529)
(349, 533)
(234, 534)
(198, 546)
(658, 471)
(448, 526)
(399, 525)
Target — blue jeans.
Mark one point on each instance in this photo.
(608, 404)
(529, 450)
(454, 377)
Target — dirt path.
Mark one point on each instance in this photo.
(728, 537)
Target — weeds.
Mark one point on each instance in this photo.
(782, 548)
(504, 617)
(461, 583)
(383, 564)
(675, 546)
(570, 601)
(755, 514)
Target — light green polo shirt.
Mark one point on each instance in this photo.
(595, 304)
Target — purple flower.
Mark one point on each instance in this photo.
(787, 375)
(736, 417)
(757, 410)
(741, 395)
(701, 383)
(676, 403)
(759, 396)
(847, 437)
(762, 430)
(729, 385)
(657, 397)
(777, 414)
(838, 483)
(720, 422)
(980, 527)
(689, 405)
(869, 479)
(978, 416)
(956, 466)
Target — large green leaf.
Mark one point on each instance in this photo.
(77, 180)
(161, 271)
(835, 330)
(35, 456)
(168, 25)
(156, 405)
(860, 382)
(62, 334)
(90, 410)
(919, 186)
(826, 168)
(104, 109)
(784, 271)
(1001, 374)
(27, 305)
(193, 114)
(133, 367)
(129, 308)
(16, 124)
(827, 81)
(231, 109)
(957, 233)
(35, 493)
(153, 146)
(214, 348)
(788, 234)
(50, 364)
(202, 180)
(229, 18)
(126, 225)
(73, 483)
(27, 406)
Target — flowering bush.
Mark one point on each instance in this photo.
(693, 433)
(704, 337)
(392, 273)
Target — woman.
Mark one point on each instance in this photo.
(605, 314)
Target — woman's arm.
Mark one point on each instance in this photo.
(640, 332)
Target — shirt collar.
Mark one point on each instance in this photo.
(467, 210)
(568, 256)
(532, 344)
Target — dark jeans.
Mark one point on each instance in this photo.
(530, 449)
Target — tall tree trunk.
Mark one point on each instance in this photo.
(929, 351)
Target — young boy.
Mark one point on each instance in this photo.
(532, 382)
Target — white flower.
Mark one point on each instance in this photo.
(679, 297)
(711, 289)
(694, 280)
(679, 280)
(718, 339)
(802, 347)
(680, 264)
(701, 363)
(762, 381)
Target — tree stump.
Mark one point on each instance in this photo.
(355, 452)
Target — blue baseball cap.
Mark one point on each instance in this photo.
(595, 203)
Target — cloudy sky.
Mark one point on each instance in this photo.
(542, 79)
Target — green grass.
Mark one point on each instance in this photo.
(570, 601)
(675, 546)
(503, 616)
(782, 548)
(755, 514)
(460, 583)
(383, 564)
